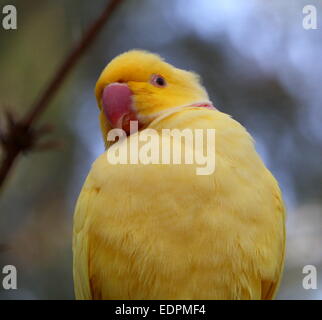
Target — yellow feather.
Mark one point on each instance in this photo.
(163, 232)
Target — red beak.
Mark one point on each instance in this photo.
(118, 106)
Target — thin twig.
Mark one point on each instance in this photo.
(11, 141)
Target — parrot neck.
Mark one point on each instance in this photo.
(163, 114)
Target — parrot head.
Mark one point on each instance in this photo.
(138, 85)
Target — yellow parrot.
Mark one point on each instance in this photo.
(160, 231)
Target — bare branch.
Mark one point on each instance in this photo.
(20, 136)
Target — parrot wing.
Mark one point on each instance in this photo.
(80, 244)
(270, 287)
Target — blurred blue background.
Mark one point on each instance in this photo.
(258, 64)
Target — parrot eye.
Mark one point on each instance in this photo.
(158, 81)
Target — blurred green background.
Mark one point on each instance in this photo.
(257, 63)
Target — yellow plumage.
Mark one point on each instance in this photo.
(163, 232)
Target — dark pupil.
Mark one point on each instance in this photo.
(160, 81)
